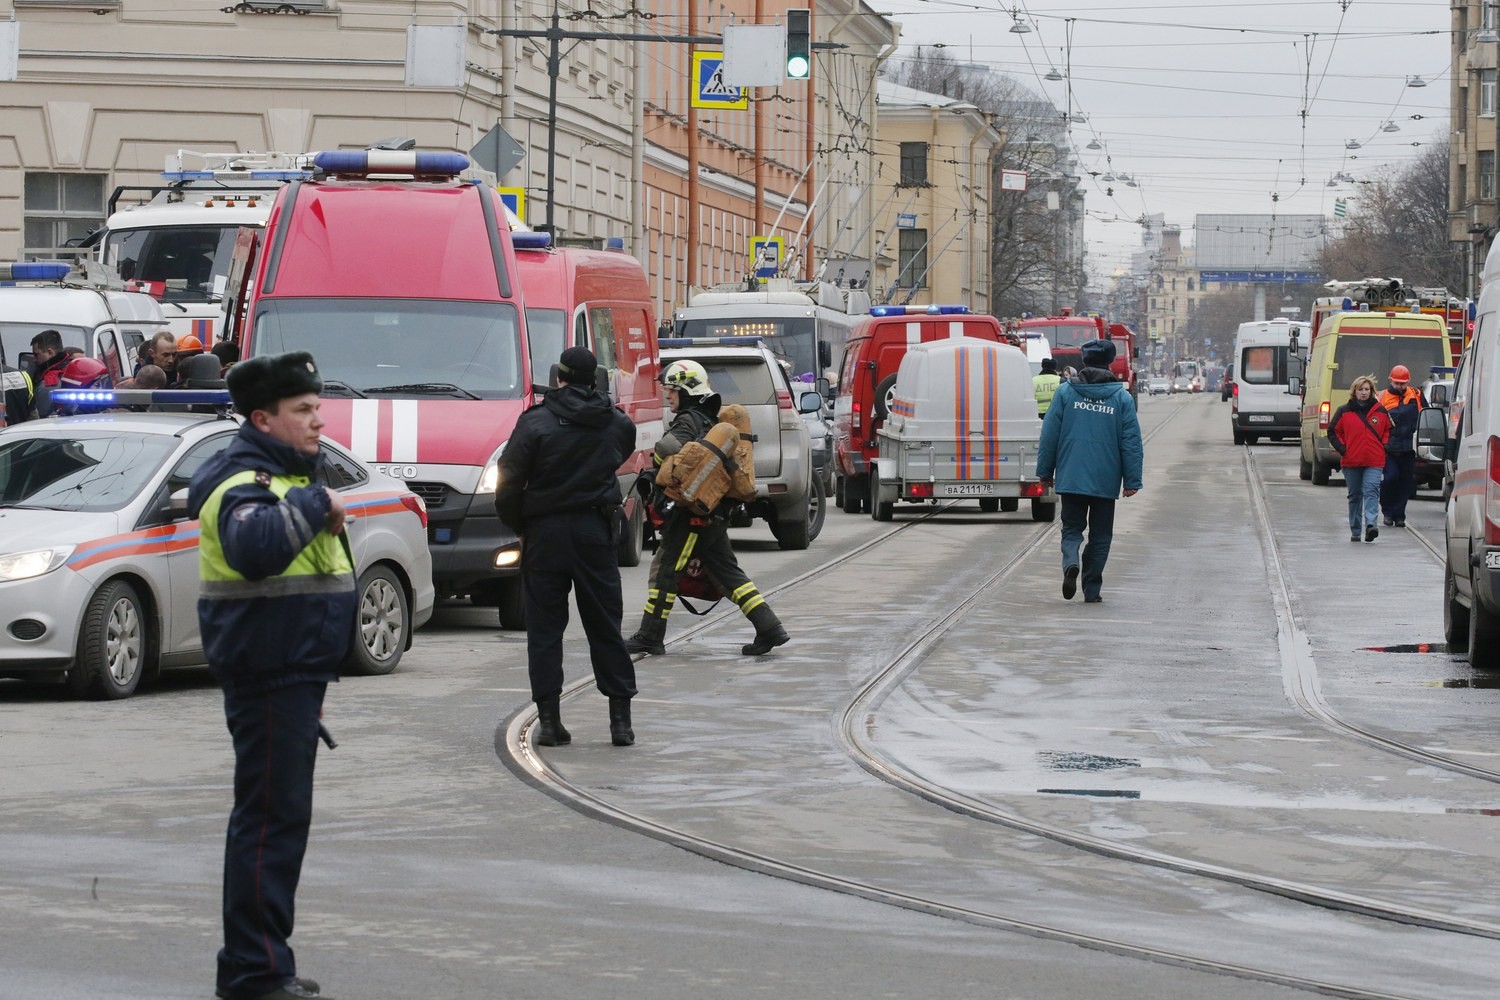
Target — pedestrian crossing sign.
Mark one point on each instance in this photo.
(766, 255)
(709, 88)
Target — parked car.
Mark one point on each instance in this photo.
(99, 560)
(786, 496)
(1158, 387)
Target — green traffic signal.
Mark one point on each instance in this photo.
(799, 43)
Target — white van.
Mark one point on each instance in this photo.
(1471, 588)
(1268, 354)
(1038, 349)
(105, 322)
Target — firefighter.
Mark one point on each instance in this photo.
(559, 493)
(1399, 484)
(1045, 384)
(685, 536)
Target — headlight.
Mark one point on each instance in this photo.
(25, 565)
(489, 480)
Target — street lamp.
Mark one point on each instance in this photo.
(1415, 81)
(1053, 75)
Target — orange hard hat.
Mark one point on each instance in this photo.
(1398, 373)
(189, 342)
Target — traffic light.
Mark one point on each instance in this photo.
(799, 43)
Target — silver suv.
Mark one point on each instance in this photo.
(751, 376)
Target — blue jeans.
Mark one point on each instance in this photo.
(1097, 514)
(1364, 498)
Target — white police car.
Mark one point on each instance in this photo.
(99, 560)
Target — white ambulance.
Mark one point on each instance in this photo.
(962, 425)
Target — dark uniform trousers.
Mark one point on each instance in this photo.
(275, 737)
(574, 550)
(682, 540)
(1399, 483)
(1096, 515)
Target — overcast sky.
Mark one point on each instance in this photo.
(1201, 102)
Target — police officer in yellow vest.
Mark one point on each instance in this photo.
(1045, 385)
(277, 609)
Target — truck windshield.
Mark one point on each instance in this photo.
(1065, 334)
(92, 472)
(15, 339)
(413, 345)
(546, 336)
(177, 263)
(793, 339)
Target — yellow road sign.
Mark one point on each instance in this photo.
(709, 88)
(515, 200)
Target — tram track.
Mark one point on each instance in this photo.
(514, 747)
(1299, 667)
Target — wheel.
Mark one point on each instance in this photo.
(1239, 438)
(879, 511)
(632, 537)
(817, 509)
(1042, 510)
(838, 491)
(1010, 504)
(1484, 633)
(851, 499)
(380, 629)
(1252, 438)
(793, 533)
(1304, 469)
(1455, 615)
(885, 392)
(1320, 473)
(512, 604)
(111, 644)
(989, 504)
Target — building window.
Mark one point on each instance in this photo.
(1489, 16)
(1486, 174)
(912, 259)
(62, 207)
(1190, 284)
(914, 163)
(1486, 92)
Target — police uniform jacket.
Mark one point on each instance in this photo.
(277, 600)
(565, 455)
(1091, 439)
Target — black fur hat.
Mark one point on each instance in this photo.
(1098, 353)
(260, 383)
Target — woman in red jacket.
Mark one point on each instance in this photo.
(1359, 432)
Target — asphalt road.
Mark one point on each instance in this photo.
(1171, 717)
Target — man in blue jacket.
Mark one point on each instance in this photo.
(276, 608)
(1091, 445)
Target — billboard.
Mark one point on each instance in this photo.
(1259, 243)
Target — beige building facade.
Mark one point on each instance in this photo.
(1173, 290)
(104, 91)
(936, 173)
(1473, 209)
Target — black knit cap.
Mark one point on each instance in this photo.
(260, 383)
(1049, 365)
(577, 366)
(1098, 353)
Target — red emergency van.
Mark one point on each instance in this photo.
(867, 379)
(403, 281)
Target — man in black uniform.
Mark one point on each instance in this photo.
(559, 492)
(685, 536)
(19, 393)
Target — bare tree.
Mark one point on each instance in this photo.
(1398, 227)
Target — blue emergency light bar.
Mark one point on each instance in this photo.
(708, 342)
(1442, 370)
(363, 162)
(531, 241)
(100, 399)
(919, 310)
(36, 271)
(249, 175)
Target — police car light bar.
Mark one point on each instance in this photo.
(35, 271)
(919, 310)
(99, 399)
(363, 162)
(708, 342)
(531, 241)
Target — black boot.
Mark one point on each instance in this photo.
(620, 733)
(549, 729)
(768, 632)
(648, 638)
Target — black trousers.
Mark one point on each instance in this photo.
(682, 541)
(275, 737)
(1096, 515)
(1399, 483)
(574, 551)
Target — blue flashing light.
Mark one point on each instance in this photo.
(708, 342)
(362, 162)
(187, 175)
(614, 243)
(35, 271)
(1473, 311)
(933, 310)
(1347, 305)
(1442, 370)
(531, 241)
(100, 399)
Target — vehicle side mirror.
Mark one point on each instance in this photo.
(825, 388)
(1432, 429)
(825, 354)
(1438, 395)
(26, 361)
(1294, 386)
(809, 402)
(177, 503)
(602, 380)
(1135, 354)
